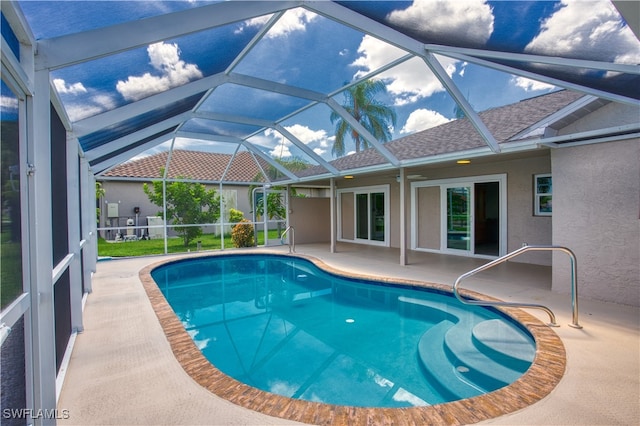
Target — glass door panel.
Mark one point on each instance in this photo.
(377, 216)
(486, 230)
(362, 216)
(458, 230)
(370, 216)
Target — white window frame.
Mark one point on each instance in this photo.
(445, 183)
(385, 189)
(538, 195)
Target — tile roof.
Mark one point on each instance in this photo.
(454, 136)
(204, 166)
(503, 122)
(460, 135)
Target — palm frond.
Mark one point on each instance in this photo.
(361, 103)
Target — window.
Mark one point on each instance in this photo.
(10, 232)
(543, 194)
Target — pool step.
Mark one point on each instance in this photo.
(465, 355)
(496, 338)
(490, 370)
(437, 366)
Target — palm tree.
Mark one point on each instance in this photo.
(374, 116)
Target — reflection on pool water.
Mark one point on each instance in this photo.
(281, 324)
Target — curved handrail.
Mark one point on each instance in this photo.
(293, 237)
(523, 249)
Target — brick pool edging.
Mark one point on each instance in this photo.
(537, 382)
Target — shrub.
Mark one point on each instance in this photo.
(235, 216)
(242, 234)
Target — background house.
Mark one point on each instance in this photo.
(123, 185)
(125, 199)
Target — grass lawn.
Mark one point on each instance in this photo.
(174, 245)
(10, 270)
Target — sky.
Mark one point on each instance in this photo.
(297, 48)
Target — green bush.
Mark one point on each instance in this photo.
(235, 216)
(242, 234)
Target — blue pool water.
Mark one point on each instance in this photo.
(281, 324)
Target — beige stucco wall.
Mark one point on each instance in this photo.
(428, 203)
(610, 115)
(311, 219)
(346, 220)
(596, 193)
(522, 225)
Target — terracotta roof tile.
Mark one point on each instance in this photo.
(205, 166)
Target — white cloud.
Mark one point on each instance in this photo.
(8, 103)
(374, 54)
(307, 135)
(292, 21)
(81, 102)
(422, 119)
(470, 19)
(589, 30)
(320, 151)
(531, 85)
(280, 147)
(68, 89)
(407, 82)
(463, 68)
(253, 22)
(412, 80)
(165, 58)
(96, 104)
(281, 150)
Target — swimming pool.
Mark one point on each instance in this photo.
(281, 324)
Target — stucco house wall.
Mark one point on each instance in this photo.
(428, 202)
(522, 225)
(596, 191)
(310, 219)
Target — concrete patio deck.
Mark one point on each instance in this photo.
(122, 369)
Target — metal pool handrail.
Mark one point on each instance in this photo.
(293, 237)
(525, 248)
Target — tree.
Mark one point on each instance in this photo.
(374, 116)
(188, 203)
(458, 112)
(275, 203)
(100, 191)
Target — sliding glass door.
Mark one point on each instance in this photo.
(364, 215)
(458, 205)
(464, 216)
(370, 217)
